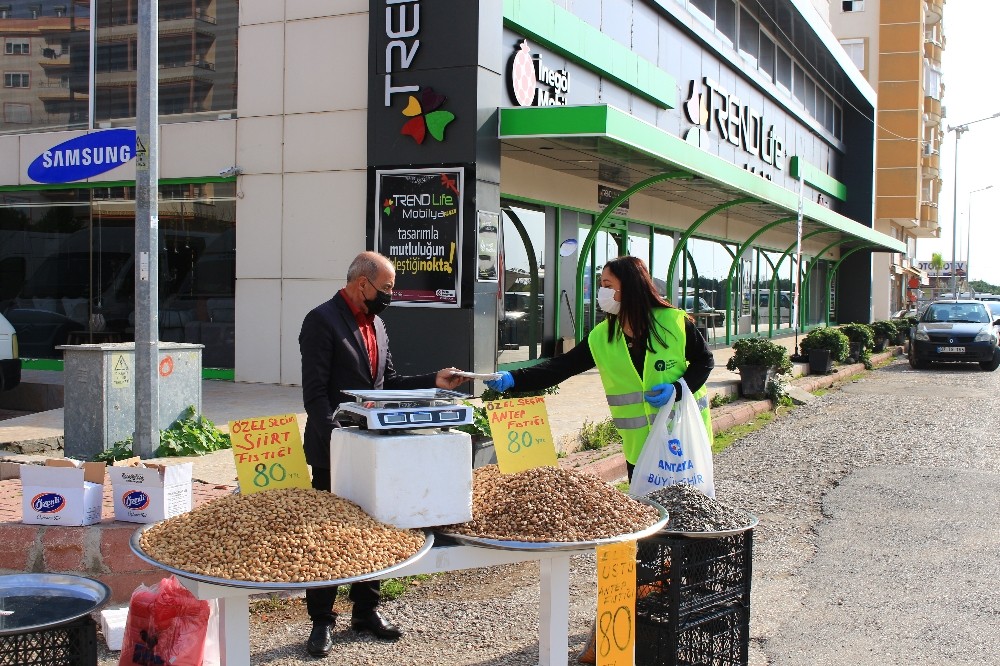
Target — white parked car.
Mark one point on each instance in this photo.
(10, 363)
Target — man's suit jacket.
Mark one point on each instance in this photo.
(334, 358)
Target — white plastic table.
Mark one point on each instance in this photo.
(553, 611)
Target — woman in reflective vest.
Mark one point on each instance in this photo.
(643, 347)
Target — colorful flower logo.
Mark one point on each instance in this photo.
(387, 206)
(425, 116)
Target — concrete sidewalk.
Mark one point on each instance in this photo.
(580, 399)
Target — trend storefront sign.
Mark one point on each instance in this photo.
(84, 156)
(716, 109)
(418, 227)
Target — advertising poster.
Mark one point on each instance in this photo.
(418, 227)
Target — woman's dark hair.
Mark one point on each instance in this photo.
(639, 298)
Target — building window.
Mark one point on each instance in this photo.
(17, 47)
(783, 69)
(725, 19)
(855, 49)
(853, 5)
(19, 114)
(16, 80)
(706, 7)
(766, 59)
(800, 85)
(932, 80)
(749, 34)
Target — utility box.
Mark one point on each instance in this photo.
(99, 392)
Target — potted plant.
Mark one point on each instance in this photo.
(757, 360)
(885, 330)
(861, 337)
(824, 346)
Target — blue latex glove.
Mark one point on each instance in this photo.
(659, 394)
(502, 383)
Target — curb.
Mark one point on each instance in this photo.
(612, 468)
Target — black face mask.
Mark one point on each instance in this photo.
(379, 303)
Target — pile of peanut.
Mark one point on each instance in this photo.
(548, 504)
(293, 535)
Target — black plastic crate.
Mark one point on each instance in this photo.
(71, 644)
(717, 637)
(680, 576)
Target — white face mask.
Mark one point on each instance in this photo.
(606, 300)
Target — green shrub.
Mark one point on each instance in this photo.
(759, 351)
(720, 399)
(827, 338)
(859, 334)
(594, 436)
(885, 329)
(190, 435)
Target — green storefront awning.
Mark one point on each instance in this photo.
(559, 137)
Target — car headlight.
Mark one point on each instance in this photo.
(984, 335)
(921, 334)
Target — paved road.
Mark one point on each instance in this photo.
(892, 554)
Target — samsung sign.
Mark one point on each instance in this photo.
(84, 156)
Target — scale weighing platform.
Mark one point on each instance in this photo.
(404, 409)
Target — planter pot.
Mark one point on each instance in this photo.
(753, 380)
(881, 344)
(820, 361)
(855, 352)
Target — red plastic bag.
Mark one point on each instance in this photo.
(166, 626)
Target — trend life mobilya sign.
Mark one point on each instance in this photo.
(84, 156)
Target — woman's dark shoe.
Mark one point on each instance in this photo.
(373, 622)
(320, 640)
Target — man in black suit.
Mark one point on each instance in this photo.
(344, 346)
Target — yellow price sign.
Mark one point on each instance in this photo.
(616, 604)
(269, 454)
(521, 434)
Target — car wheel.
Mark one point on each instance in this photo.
(917, 364)
(990, 366)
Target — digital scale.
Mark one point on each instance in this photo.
(405, 409)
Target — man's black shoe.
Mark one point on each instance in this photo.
(376, 624)
(320, 640)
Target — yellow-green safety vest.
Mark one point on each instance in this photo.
(624, 388)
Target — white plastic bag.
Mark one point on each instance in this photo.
(677, 449)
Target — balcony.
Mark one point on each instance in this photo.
(935, 11)
(932, 110)
(169, 72)
(928, 214)
(176, 24)
(933, 51)
(930, 163)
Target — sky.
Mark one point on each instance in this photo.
(971, 93)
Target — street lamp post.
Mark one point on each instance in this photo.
(968, 238)
(959, 131)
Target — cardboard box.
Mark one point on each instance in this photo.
(62, 492)
(149, 493)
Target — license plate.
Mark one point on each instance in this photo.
(951, 350)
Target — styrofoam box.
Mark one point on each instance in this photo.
(113, 626)
(407, 479)
(149, 494)
(62, 492)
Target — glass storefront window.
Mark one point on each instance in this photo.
(46, 65)
(66, 262)
(197, 57)
(521, 328)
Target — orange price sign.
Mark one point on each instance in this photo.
(616, 604)
(521, 434)
(268, 453)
